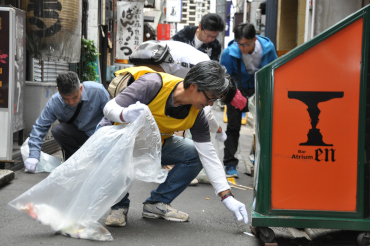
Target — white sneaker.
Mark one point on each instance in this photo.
(162, 210)
(194, 182)
(117, 217)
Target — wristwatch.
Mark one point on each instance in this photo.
(227, 195)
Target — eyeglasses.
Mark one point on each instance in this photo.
(209, 36)
(209, 100)
(244, 45)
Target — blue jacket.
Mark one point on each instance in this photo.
(232, 53)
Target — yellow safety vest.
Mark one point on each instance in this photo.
(167, 125)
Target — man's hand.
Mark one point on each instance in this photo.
(31, 164)
(237, 208)
(132, 112)
(221, 136)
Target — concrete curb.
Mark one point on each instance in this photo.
(6, 176)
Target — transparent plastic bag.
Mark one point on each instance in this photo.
(202, 177)
(78, 193)
(47, 162)
(252, 105)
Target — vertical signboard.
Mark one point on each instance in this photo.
(4, 58)
(314, 164)
(130, 28)
(163, 32)
(7, 40)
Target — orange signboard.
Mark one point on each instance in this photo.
(315, 126)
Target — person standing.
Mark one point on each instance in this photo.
(243, 57)
(78, 107)
(204, 36)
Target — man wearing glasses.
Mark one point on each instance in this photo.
(176, 104)
(204, 36)
(243, 57)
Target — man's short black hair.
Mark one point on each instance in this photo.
(212, 22)
(68, 83)
(244, 30)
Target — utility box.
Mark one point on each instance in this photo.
(312, 133)
(37, 95)
(12, 76)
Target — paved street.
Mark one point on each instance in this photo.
(210, 222)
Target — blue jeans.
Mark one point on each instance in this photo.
(181, 152)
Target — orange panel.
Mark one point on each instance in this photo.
(315, 126)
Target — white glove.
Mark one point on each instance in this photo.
(31, 164)
(221, 136)
(132, 112)
(237, 208)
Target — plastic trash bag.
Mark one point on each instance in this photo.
(252, 105)
(202, 177)
(47, 162)
(78, 193)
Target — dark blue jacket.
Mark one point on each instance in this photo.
(186, 35)
(232, 53)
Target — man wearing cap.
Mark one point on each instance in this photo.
(176, 104)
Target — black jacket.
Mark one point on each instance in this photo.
(186, 35)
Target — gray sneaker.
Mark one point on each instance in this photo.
(117, 217)
(165, 211)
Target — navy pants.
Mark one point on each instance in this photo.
(234, 119)
(69, 138)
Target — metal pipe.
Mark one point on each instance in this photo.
(245, 11)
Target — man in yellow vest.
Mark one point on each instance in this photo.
(176, 104)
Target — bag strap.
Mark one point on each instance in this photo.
(239, 74)
(123, 77)
(76, 113)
